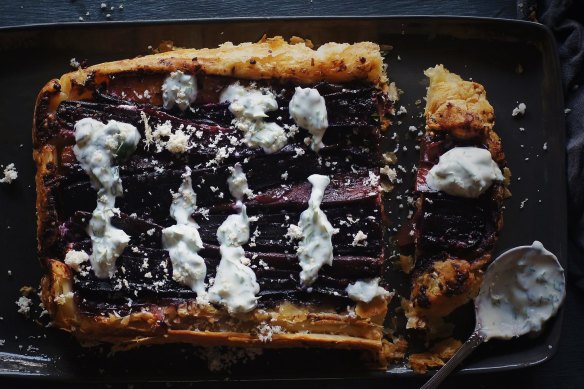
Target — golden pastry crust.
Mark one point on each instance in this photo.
(300, 325)
(297, 326)
(440, 353)
(271, 58)
(448, 284)
(457, 106)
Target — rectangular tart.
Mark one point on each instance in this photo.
(190, 139)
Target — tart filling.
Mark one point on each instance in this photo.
(230, 149)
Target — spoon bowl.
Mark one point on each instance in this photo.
(522, 289)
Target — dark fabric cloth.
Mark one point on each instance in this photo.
(566, 20)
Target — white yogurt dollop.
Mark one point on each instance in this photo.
(96, 148)
(179, 89)
(522, 289)
(237, 182)
(366, 290)
(183, 242)
(235, 285)
(316, 247)
(249, 106)
(465, 172)
(308, 109)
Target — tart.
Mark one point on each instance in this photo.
(226, 196)
(461, 183)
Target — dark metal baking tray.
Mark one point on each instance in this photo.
(489, 51)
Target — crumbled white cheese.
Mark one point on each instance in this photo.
(23, 305)
(74, 258)
(164, 138)
(63, 297)
(519, 110)
(266, 331)
(402, 110)
(373, 180)
(10, 174)
(294, 232)
(149, 139)
(389, 172)
(178, 142)
(360, 239)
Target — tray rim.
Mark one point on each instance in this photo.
(553, 61)
(203, 20)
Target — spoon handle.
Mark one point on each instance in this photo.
(473, 341)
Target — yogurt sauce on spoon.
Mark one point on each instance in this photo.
(522, 289)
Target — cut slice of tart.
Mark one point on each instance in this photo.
(461, 183)
(223, 196)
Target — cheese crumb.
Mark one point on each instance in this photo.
(75, 258)
(294, 232)
(519, 110)
(373, 179)
(23, 305)
(265, 332)
(401, 110)
(10, 174)
(62, 298)
(148, 138)
(360, 239)
(178, 142)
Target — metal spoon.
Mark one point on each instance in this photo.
(522, 289)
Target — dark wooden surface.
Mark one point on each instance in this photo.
(565, 370)
(19, 12)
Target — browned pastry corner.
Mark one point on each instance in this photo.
(137, 306)
(438, 355)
